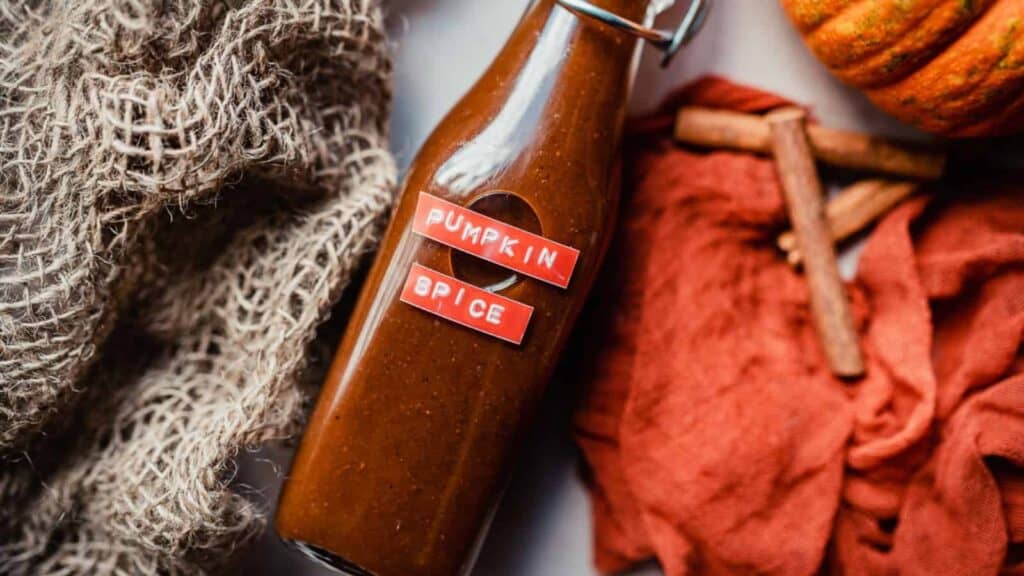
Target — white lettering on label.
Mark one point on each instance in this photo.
(441, 290)
(471, 232)
(436, 216)
(494, 314)
(533, 255)
(490, 235)
(452, 224)
(506, 246)
(547, 257)
(422, 286)
(477, 308)
(465, 304)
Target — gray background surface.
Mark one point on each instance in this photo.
(543, 525)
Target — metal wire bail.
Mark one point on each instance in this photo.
(664, 40)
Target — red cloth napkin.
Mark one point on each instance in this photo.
(716, 437)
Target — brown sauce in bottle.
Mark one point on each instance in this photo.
(418, 422)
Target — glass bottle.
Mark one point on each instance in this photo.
(420, 418)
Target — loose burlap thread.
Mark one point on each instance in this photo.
(185, 188)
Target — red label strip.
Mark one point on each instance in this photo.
(465, 304)
(494, 240)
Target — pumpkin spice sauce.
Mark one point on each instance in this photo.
(421, 415)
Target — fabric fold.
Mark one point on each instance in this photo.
(718, 441)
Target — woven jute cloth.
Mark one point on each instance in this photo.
(186, 187)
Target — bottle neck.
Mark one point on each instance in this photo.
(565, 40)
(558, 74)
(641, 11)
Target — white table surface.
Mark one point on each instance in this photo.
(543, 527)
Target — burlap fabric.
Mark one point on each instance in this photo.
(185, 188)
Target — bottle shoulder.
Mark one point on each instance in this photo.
(547, 113)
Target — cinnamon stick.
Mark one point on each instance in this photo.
(806, 205)
(748, 132)
(852, 210)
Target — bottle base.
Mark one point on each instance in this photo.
(332, 561)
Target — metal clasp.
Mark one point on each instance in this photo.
(664, 40)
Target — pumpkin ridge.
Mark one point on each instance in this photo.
(970, 84)
(922, 57)
(953, 67)
(888, 62)
(998, 94)
(883, 48)
(1009, 120)
(995, 67)
(997, 99)
(797, 7)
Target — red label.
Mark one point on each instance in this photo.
(494, 241)
(465, 304)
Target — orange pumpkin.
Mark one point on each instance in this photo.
(953, 67)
